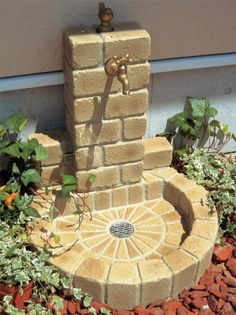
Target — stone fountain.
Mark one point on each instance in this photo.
(146, 232)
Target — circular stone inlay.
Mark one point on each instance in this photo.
(121, 229)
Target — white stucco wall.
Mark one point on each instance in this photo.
(168, 91)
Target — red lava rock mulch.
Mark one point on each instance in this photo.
(215, 292)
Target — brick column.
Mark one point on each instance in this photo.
(106, 126)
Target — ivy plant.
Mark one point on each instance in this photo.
(197, 127)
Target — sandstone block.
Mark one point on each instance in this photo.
(83, 109)
(96, 81)
(94, 133)
(134, 128)
(106, 177)
(201, 249)
(103, 200)
(153, 186)
(87, 158)
(136, 193)
(128, 38)
(123, 286)
(119, 105)
(156, 277)
(184, 268)
(191, 195)
(83, 47)
(56, 143)
(119, 196)
(175, 186)
(123, 152)
(205, 229)
(164, 172)
(131, 173)
(157, 153)
(201, 211)
(91, 277)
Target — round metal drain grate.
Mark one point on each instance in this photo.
(121, 229)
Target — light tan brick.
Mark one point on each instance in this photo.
(96, 81)
(201, 249)
(119, 196)
(202, 211)
(157, 153)
(119, 105)
(163, 172)
(194, 194)
(82, 47)
(128, 38)
(123, 286)
(94, 133)
(83, 109)
(156, 277)
(136, 193)
(123, 152)
(205, 229)
(103, 200)
(106, 177)
(86, 158)
(131, 173)
(153, 186)
(175, 186)
(134, 128)
(184, 268)
(56, 143)
(91, 277)
(51, 173)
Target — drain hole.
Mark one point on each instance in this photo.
(121, 229)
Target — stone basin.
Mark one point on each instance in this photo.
(134, 254)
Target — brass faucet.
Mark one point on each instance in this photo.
(118, 66)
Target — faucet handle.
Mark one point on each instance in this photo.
(123, 61)
(114, 63)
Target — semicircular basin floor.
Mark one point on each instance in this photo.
(112, 252)
(126, 234)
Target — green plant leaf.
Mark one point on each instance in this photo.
(3, 195)
(69, 184)
(40, 153)
(224, 128)
(30, 176)
(2, 130)
(91, 178)
(104, 311)
(31, 212)
(15, 169)
(11, 250)
(16, 122)
(179, 119)
(198, 106)
(87, 300)
(211, 112)
(57, 238)
(12, 150)
(4, 144)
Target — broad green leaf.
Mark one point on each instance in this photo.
(30, 176)
(211, 112)
(3, 195)
(31, 212)
(4, 144)
(214, 123)
(179, 119)
(40, 153)
(13, 150)
(224, 129)
(87, 300)
(69, 184)
(198, 106)
(185, 127)
(91, 178)
(16, 122)
(2, 130)
(58, 301)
